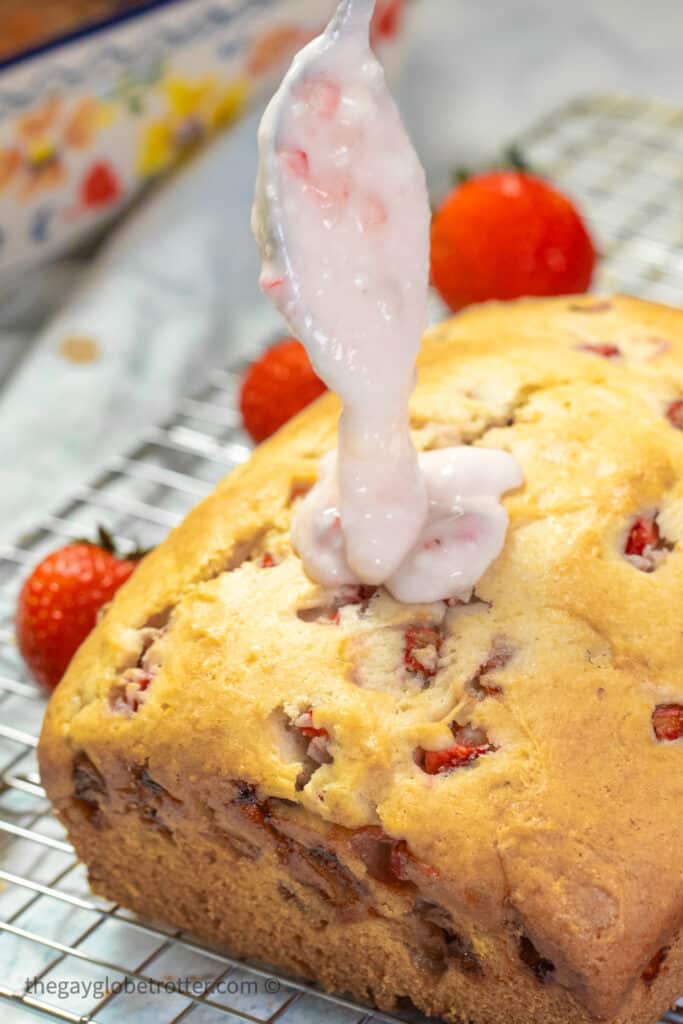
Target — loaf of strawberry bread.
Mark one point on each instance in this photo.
(474, 807)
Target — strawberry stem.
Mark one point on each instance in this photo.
(513, 159)
(105, 540)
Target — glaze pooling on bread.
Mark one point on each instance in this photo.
(567, 661)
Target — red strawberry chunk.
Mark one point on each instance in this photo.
(605, 350)
(128, 696)
(296, 161)
(308, 730)
(470, 744)
(422, 647)
(480, 686)
(268, 561)
(386, 859)
(144, 680)
(400, 860)
(675, 414)
(304, 724)
(500, 655)
(643, 534)
(489, 690)
(667, 721)
(356, 595)
(437, 762)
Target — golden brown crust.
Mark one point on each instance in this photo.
(230, 883)
(566, 834)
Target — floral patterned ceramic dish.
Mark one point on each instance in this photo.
(89, 118)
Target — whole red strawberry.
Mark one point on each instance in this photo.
(505, 234)
(59, 602)
(276, 387)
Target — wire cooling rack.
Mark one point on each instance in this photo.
(66, 955)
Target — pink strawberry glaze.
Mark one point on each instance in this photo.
(342, 218)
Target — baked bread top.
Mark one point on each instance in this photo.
(564, 813)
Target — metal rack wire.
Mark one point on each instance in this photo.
(623, 160)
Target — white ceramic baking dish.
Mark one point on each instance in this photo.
(87, 120)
